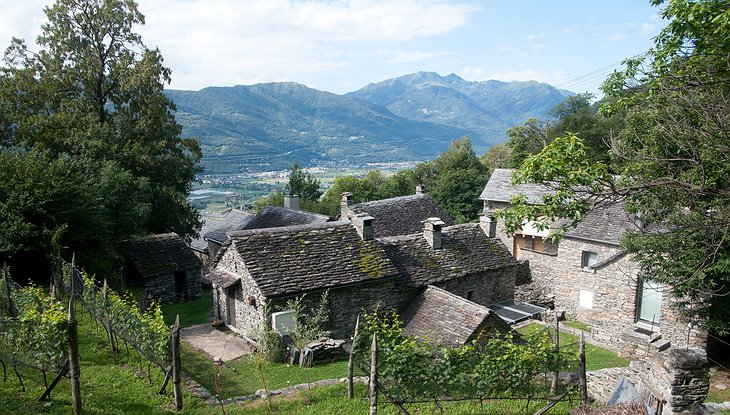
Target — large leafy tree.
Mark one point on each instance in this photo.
(673, 156)
(92, 95)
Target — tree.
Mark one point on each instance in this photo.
(459, 177)
(576, 114)
(93, 94)
(303, 184)
(673, 156)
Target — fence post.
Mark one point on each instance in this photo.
(351, 362)
(8, 287)
(554, 382)
(73, 355)
(107, 325)
(176, 364)
(374, 376)
(582, 380)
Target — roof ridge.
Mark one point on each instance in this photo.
(290, 229)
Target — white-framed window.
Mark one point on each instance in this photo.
(650, 302)
(588, 259)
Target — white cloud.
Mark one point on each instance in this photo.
(617, 36)
(647, 28)
(532, 36)
(407, 57)
(508, 74)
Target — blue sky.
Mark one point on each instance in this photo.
(342, 45)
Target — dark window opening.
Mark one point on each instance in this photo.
(470, 295)
(180, 283)
(588, 259)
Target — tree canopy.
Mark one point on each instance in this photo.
(673, 156)
(90, 105)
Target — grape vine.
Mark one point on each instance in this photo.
(418, 370)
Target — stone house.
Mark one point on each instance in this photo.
(398, 215)
(268, 217)
(164, 266)
(589, 277)
(216, 227)
(258, 270)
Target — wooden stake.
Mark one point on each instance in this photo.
(59, 376)
(168, 374)
(374, 376)
(582, 379)
(351, 362)
(73, 354)
(554, 383)
(176, 364)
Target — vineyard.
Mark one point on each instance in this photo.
(39, 329)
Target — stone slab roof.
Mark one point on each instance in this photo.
(402, 215)
(223, 278)
(465, 250)
(500, 188)
(444, 318)
(292, 260)
(604, 223)
(161, 254)
(215, 230)
(277, 216)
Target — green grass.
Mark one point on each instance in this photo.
(112, 384)
(577, 325)
(241, 376)
(191, 312)
(596, 357)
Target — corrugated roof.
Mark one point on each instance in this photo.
(402, 215)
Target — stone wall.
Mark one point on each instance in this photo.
(676, 379)
(487, 287)
(162, 287)
(250, 302)
(605, 298)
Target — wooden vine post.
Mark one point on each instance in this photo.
(374, 376)
(351, 362)
(8, 287)
(175, 339)
(582, 379)
(554, 382)
(73, 353)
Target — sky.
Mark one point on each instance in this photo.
(342, 45)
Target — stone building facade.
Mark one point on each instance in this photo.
(257, 271)
(589, 277)
(164, 266)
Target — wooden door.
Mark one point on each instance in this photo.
(231, 306)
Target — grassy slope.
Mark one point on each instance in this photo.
(596, 357)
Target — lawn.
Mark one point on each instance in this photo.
(191, 312)
(596, 357)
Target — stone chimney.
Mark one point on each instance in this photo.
(291, 201)
(345, 203)
(489, 225)
(364, 225)
(432, 232)
(420, 189)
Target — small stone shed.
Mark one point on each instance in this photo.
(449, 320)
(164, 266)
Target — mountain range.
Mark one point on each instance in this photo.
(412, 117)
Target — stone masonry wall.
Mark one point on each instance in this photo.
(162, 287)
(345, 304)
(250, 302)
(488, 287)
(604, 298)
(677, 379)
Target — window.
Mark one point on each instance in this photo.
(470, 295)
(589, 259)
(650, 301)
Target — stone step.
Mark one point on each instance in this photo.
(661, 344)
